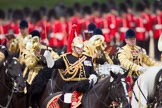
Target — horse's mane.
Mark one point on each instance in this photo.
(102, 83)
(150, 76)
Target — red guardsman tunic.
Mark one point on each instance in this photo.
(140, 29)
(58, 37)
(157, 26)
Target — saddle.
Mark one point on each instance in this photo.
(76, 100)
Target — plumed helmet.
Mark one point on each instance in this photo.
(130, 34)
(77, 42)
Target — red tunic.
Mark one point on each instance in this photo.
(140, 29)
(157, 26)
(58, 37)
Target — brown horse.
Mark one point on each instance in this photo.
(103, 94)
(11, 82)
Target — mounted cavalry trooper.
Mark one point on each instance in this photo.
(133, 58)
(17, 45)
(95, 48)
(78, 72)
(33, 61)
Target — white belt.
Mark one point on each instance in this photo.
(158, 26)
(105, 30)
(140, 29)
(123, 29)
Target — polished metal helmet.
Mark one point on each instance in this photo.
(77, 42)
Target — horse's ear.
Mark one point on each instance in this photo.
(125, 72)
(113, 75)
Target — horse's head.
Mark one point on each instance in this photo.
(158, 92)
(13, 74)
(118, 90)
(159, 95)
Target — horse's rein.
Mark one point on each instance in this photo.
(9, 99)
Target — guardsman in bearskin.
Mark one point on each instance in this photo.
(78, 69)
(33, 61)
(87, 14)
(140, 27)
(96, 17)
(148, 24)
(133, 58)
(13, 26)
(113, 23)
(58, 36)
(17, 44)
(130, 14)
(105, 11)
(124, 23)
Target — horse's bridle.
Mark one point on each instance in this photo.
(14, 87)
(13, 80)
(111, 86)
(158, 102)
(148, 104)
(118, 100)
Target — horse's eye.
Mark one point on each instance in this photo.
(15, 62)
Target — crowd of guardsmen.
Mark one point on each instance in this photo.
(85, 32)
(54, 24)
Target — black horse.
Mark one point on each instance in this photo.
(46, 83)
(157, 101)
(12, 83)
(103, 94)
